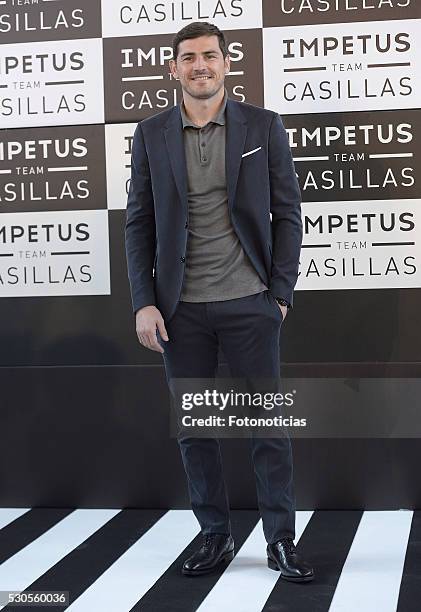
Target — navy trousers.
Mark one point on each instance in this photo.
(247, 329)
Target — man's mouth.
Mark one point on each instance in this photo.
(201, 78)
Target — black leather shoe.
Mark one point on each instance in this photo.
(217, 549)
(283, 557)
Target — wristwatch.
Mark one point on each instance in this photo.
(283, 302)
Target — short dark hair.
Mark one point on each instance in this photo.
(196, 29)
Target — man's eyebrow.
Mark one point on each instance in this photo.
(193, 53)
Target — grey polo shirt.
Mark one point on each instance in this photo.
(216, 266)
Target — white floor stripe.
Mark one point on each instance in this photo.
(372, 573)
(128, 579)
(247, 582)
(8, 515)
(21, 570)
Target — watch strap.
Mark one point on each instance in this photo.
(283, 302)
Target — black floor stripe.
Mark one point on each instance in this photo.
(27, 528)
(174, 592)
(81, 567)
(325, 543)
(410, 591)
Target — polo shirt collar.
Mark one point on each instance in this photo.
(218, 118)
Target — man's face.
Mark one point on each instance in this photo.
(200, 66)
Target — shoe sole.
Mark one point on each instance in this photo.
(225, 559)
(273, 566)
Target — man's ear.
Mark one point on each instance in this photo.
(227, 64)
(172, 67)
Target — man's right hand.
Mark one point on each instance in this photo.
(148, 321)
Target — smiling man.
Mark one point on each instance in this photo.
(209, 267)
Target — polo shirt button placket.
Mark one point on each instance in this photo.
(203, 157)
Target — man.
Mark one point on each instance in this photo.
(208, 267)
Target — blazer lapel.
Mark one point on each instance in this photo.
(173, 133)
(235, 137)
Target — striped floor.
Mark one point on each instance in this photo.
(130, 560)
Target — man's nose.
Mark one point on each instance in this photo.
(199, 63)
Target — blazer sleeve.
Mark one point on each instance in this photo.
(285, 206)
(140, 226)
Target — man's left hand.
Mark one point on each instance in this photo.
(284, 310)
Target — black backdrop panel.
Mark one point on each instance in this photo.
(98, 437)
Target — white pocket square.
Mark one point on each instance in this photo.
(250, 152)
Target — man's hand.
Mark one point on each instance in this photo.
(284, 310)
(148, 320)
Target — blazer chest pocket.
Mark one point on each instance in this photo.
(252, 153)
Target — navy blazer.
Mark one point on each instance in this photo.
(260, 180)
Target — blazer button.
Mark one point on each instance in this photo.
(186, 225)
(182, 259)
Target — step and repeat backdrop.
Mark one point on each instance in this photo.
(76, 77)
